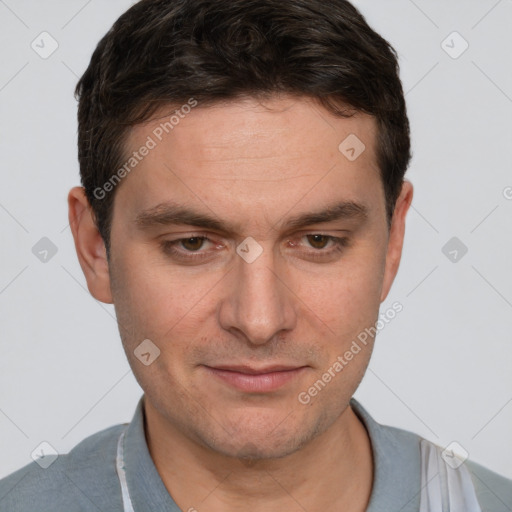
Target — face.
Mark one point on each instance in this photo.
(246, 326)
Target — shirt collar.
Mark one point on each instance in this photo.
(396, 459)
(396, 456)
(147, 491)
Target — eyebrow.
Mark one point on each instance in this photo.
(169, 213)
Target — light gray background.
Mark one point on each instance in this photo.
(442, 368)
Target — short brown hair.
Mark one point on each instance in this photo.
(163, 52)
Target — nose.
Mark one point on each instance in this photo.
(259, 302)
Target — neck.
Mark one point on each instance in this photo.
(332, 472)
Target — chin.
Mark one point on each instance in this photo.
(255, 450)
(262, 437)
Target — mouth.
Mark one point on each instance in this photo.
(256, 380)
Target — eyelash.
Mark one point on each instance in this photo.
(169, 247)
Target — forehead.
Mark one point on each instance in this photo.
(250, 152)
(225, 128)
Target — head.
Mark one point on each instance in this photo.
(203, 123)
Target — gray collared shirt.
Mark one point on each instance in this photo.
(86, 480)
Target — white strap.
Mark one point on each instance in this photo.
(443, 488)
(121, 473)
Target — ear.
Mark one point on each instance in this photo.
(89, 245)
(396, 237)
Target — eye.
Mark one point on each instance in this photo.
(188, 249)
(324, 247)
(318, 241)
(192, 244)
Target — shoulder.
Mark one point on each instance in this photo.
(82, 480)
(494, 491)
(398, 452)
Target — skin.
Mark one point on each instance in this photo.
(254, 165)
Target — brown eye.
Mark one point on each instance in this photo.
(193, 244)
(318, 241)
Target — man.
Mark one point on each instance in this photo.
(243, 207)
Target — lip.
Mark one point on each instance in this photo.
(256, 380)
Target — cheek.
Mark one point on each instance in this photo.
(154, 304)
(156, 297)
(348, 296)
